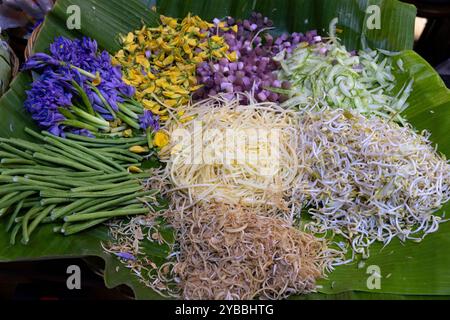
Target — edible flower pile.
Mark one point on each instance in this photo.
(78, 90)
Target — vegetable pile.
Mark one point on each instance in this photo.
(235, 253)
(240, 155)
(78, 90)
(74, 184)
(327, 73)
(160, 62)
(369, 179)
(253, 70)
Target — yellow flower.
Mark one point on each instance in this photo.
(143, 61)
(235, 28)
(138, 149)
(161, 139)
(134, 169)
(127, 133)
(129, 38)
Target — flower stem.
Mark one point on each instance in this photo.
(84, 97)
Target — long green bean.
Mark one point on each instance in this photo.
(15, 230)
(100, 187)
(105, 214)
(16, 161)
(39, 219)
(118, 201)
(72, 229)
(98, 194)
(88, 151)
(24, 222)
(14, 215)
(104, 141)
(16, 151)
(63, 162)
(16, 198)
(65, 182)
(51, 172)
(82, 158)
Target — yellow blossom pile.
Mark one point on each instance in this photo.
(161, 62)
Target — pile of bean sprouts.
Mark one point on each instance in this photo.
(233, 252)
(261, 172)
(369, 179)
(364, 178)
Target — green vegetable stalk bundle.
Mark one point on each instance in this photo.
(76, 183)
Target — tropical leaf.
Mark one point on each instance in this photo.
(408, 270)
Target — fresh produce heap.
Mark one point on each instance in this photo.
(75, 183)
(254, 68)
(78, 90)
(369, 179)
(235, 253)
(327, 73)
(161, 62)
(229, 168)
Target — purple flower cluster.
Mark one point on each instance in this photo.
(254, 70)
(72, 61)
(149, 120)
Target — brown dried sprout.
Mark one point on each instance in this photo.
(231, 252)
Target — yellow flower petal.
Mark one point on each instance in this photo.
(161, 139)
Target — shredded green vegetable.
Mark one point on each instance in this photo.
(326, 73)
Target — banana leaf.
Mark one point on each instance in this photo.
(408, 271)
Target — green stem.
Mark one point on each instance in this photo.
(14, 215)
(63, 162)
(103, 100)
(72, 229)
(79, 124)
(88, 151)
(84, 97)
(105, 214)
(128, 121)
(127, 111)
(109, 193)
(118, 201)
(83, 114)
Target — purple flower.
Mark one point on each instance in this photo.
(73, 60)
(149, 120)
(39, 60)
(125, 256)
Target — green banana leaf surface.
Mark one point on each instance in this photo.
(407, 270)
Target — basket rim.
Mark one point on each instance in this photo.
(29, 49)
